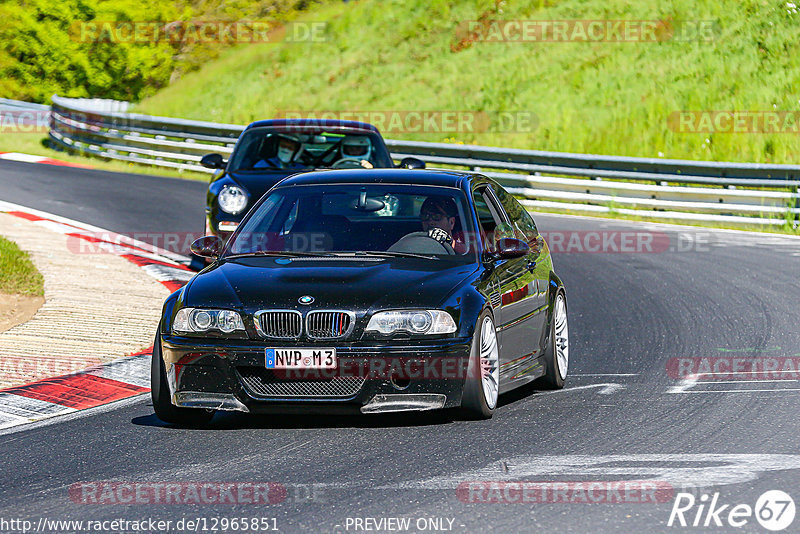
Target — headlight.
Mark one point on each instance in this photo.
(413, 322)
(193, 320)
(232, 199)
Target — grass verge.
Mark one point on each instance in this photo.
(597, 97)
(18, 275)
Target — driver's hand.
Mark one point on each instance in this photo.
(441, 236)
(366, 164)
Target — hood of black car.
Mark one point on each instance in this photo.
(254, 283)
(258, 183)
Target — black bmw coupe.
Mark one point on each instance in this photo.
(369, 290)
(270, 150)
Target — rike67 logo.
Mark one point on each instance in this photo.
(774, 510)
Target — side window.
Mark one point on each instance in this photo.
(521, 219)
(528, 228)
(488, 218)
(290, 219)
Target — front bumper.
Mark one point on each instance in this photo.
(370, 378)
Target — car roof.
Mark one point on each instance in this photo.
(315, 124)
(442, 178)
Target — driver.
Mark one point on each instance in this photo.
(438, 216)
(356, 149)
(289, 147)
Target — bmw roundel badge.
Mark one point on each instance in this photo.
(306, 300)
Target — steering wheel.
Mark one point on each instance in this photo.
(347, 163)
(315, 162)
(421, 243)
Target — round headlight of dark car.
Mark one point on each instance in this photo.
(198, 321)
(412, 321)
(232, 199)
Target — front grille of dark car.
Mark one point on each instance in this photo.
(328, 324)
(279, 324)
(261, 382)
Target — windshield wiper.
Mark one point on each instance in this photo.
(387, 254)
(276, 253)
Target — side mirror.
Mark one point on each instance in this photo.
(213, 161)
(511, 247)
(209, 246)
(411, 163)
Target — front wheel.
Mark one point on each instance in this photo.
(482, 386)
(159, 393)
(557, 351)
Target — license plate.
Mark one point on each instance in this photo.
(301, 358)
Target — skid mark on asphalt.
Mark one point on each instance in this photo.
(602, 388)
(689, 385)
(678, 470)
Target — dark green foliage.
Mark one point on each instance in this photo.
(76, 48)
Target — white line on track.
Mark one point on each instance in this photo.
(78, 225)
(137, 399)
(777, 380)
(779, 390)
(606, 374)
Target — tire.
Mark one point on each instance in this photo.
(481, 389)
(557, 350)
(159, 392)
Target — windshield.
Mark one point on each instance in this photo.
(378, 219)
(298, 149)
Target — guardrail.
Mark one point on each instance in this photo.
(734, 193)
(17, 105)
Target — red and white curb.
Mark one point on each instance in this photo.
(103, 384)
(114, 381)
(30, 158)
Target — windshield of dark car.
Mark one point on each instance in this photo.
(258, 150)
(342, 219)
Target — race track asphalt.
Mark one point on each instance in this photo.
(621, 417)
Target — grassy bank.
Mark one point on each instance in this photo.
(591, 97)
(18, 275)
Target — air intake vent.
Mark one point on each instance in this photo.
(279, 324)
(329, 324)
(260, 382)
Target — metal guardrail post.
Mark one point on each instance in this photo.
(708, 191)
